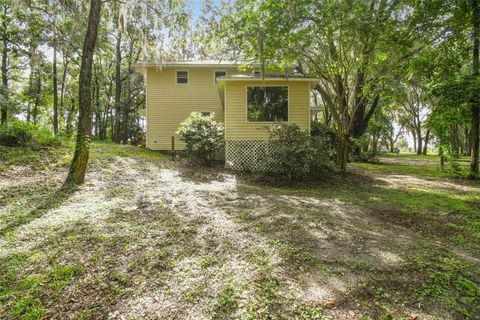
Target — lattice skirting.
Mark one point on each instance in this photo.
(245, 154)
(220, 154)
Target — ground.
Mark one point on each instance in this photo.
(149, 238)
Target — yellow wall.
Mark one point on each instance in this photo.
(169, 103)
(237, 127)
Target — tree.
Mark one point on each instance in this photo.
(475, 103)
(10, 48)
(351, 46)
(118, 87)
(79, 162)
(415, 109)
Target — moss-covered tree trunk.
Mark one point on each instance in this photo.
(84, 130)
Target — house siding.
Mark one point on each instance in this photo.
(236, 105)
(169, 103)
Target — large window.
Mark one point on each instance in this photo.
(267, 103)
(182, 77)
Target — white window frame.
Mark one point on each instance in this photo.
(176, 77)
(215, 78)
(266, 85)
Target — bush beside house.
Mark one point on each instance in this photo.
(295, 154)
(203, 136)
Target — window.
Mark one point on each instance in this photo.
(219, 74)
(267, 103)
(205, 113)
(182, 77)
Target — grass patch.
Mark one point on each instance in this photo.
(424, 157)
(25, 295)
(429, 171)
(427, 281)
(226, 303)
(106, 150)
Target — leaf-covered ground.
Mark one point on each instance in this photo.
(148, 238)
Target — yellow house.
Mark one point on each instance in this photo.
(243, 101)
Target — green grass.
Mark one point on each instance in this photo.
(106, 150)
(425, 157)
(430, 171)
(26, 294)
(226, 303)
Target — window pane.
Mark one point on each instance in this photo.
(182, 77)
(205, 113)
(267, 103)
(182, 74)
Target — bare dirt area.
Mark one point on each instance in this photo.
(148, 238)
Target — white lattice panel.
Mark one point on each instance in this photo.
(245, 154)
(220, 154)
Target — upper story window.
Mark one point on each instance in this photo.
(267, 103)
(182, 77)
(218, 74)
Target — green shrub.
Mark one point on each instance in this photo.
(17, 133)
(203, 136)
(361, 151)
(328, 134)
(454, 167)
(295, 154)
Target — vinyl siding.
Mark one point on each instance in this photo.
(169, 103)
(237, 127)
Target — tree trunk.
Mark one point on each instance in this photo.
(98, 112)
(55, 87)
(118, 89)
(62, 87)
(68, 120)
(468, 149)
(414, 134)
(342, 152)
(126, 115)
(128, 99)
(419, 139)
(425, 145)
(455, 139)
(38, 92)
(80, 157)
(342, 144)
(442, 156)
(475, 107)
(4, 90)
